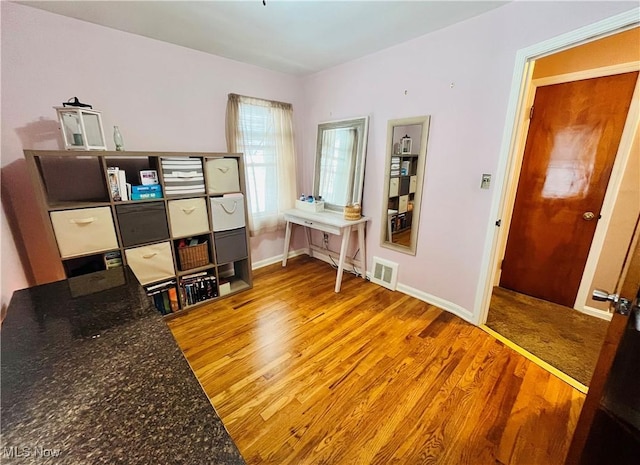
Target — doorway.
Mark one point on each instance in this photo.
(560, 333)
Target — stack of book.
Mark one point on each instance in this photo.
(198, 287)
(112, 259)
(165, 297)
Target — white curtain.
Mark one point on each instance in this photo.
(263, 131)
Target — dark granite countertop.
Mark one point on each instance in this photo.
(91, 374)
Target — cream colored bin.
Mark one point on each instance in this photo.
(151, 262)
(403, 204)
(222, 175)
(188, 217)
(394, 187)
(413, 183)
(227, 212)
(84, 231)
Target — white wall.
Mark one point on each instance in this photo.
(162, 96)
(461, 76)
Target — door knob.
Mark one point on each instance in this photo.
(619, 304)
(604, 296)
(588, 216)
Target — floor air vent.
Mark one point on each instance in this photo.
(385, 273)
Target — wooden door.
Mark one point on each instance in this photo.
(572, 142)
(608, 430)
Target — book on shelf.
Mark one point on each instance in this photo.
(162, 296)
(161, 303)
(122, 184)
(155, 287)
(194, 275)
(151, 191)
(114, 183)
(117, 183)
(198, 287)
(173, 299)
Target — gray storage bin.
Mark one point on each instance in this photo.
(230, 245)
(140, 224)
(405, 182)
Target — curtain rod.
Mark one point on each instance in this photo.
(264, 100)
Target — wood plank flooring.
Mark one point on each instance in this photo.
(301, 375)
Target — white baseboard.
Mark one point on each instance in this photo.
(433, 300)
(438, 302)
(276, 259)
(602, 314)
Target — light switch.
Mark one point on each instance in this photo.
(486, 181)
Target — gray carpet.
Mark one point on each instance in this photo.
(563, 337)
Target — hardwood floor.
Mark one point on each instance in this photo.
(301, 375)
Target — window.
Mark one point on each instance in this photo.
(263, 131)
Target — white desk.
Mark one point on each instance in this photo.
(332, 223)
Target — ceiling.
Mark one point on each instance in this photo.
(295, 37)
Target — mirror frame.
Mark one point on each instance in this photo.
(360, 123)
(420, 171)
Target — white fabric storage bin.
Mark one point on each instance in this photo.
(188, 217)
(151, 263)
(84, 231)
(394, 187)
(403, 204)
(222, 175)
(227, 212)
(413, 183)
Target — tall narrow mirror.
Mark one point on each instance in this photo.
(340, 159)
(404, 173)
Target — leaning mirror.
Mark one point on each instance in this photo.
(404, 172)
(340, 159)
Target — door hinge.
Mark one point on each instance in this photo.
(531, 113)
(501, 262)
(499, 223)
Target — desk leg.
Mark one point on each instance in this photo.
(346, 235)
(307, 231)
(363, 254)
(287, 239)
